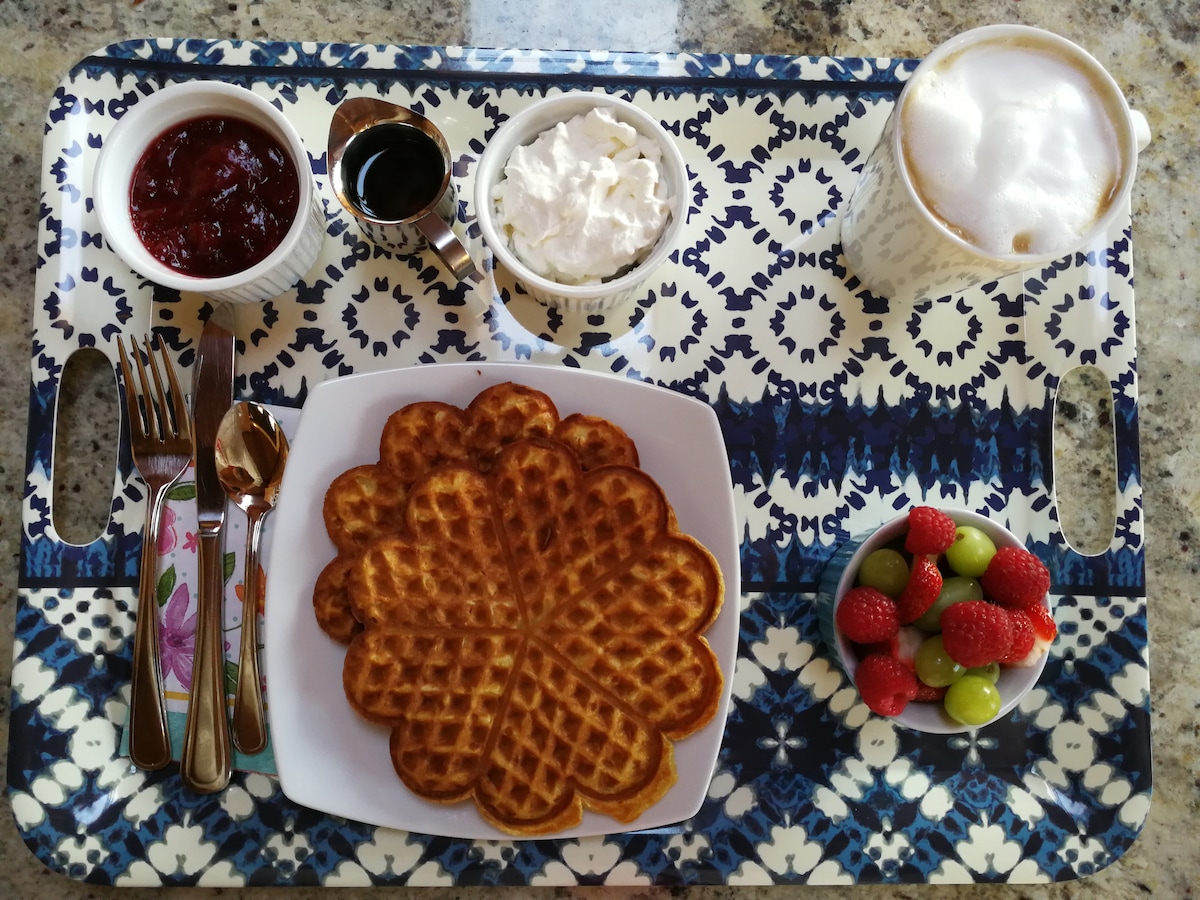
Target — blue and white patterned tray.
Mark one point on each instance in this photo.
(838, 408)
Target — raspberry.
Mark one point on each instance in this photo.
(1015, 577)
(930, 531)
(924, 585)
(866, 616)
(1023, 637)
(885, 684)
(976, 632)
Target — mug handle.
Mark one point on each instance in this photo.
(445, 243)
(1141, 129)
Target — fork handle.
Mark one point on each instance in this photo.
(149, 737)
(206, 763)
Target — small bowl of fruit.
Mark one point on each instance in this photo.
(940, 617)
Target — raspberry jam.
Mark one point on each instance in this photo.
(213, 196)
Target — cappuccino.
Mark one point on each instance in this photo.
(1010, 144)
(1008, 148)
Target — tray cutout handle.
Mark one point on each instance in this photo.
(1085, 460)
(87, 423)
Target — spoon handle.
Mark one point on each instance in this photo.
(249, 724)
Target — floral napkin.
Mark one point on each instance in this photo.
(177, 582)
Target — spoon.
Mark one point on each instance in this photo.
(250, 454)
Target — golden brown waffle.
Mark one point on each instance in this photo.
(361, 504)
(420, 436)
(364, 503)
(331, 603)
(507, 413)
(596, 441)
(534, 639)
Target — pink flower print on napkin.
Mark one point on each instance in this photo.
(167, 539)
(178, 637)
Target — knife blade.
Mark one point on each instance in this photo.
(206, 762)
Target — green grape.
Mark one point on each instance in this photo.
(955, 589)
(972, 700)
(991, 671)
(934, 665)
(886, 570)
(971, 551)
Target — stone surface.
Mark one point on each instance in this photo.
(1146, 45)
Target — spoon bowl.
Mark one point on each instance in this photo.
(251, 452)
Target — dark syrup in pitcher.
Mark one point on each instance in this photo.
(392, 172)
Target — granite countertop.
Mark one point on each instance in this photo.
(1146, 46)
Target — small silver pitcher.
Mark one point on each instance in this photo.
(390, 168)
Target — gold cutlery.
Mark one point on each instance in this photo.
(250, 455)
(162, 448)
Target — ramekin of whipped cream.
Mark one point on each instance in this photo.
(581, 197)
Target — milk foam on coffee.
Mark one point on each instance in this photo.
(1011, 147)
(584, 201)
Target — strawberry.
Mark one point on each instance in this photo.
(1043, 629)
(1015, 577)
(867, 616)
(1023, 637)
(902, 645)
(885, 684)
(924, 585)
(930, 531)
(1043, 623)
(927, 694)
(976, 632)
(905, 645)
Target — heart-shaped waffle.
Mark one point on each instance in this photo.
(534, 639)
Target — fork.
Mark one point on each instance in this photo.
(160, 437)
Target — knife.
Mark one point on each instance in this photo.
(206, 762)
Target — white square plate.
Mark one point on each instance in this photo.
(331, 760)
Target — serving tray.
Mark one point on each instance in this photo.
(838, 408)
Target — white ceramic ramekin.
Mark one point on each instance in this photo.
(123, 149)
(522, 129)
(839, 577)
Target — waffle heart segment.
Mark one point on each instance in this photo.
(596, 442)
(420, 436)
(563, 745)
(331, 600)
(361, 504)
(648, 617)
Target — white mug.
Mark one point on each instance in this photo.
(939, 206)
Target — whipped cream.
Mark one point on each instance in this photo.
(585, 201)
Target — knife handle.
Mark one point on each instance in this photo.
(206, 763)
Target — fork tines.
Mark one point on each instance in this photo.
(159, 419)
